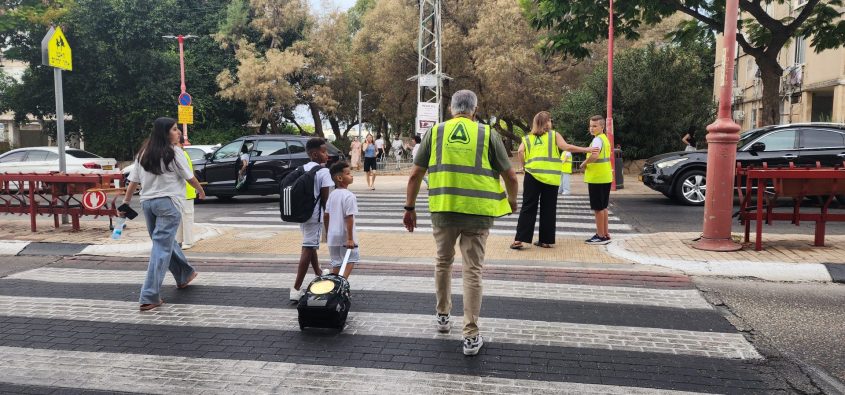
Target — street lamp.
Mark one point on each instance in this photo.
(722, 137)
(181, 40)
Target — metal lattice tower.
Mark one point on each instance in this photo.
(429, 68)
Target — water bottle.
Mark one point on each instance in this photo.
(118, 228)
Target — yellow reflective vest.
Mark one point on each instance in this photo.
(600, 171)
(542, 158)
(566, 158)
(190, 192)
(460, 177)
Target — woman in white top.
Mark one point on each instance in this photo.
(162, 169)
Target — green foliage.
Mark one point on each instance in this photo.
(125, 74)
(657, 93)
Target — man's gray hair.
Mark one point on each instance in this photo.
(464, 102)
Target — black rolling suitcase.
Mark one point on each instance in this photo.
(326, 303)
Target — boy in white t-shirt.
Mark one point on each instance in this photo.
(311, 229)
(339, 218)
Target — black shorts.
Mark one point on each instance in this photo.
(599, 196)
(369, 164)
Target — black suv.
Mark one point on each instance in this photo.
(681, 175)
(271, 157)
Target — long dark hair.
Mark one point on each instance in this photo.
(157, 148)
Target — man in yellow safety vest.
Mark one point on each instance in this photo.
(465, 160)
(598, 175)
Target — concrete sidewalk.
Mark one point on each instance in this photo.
(785, 257)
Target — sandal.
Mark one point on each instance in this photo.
(517, 245)
(185, 284)
(150, 306)
(543, 245)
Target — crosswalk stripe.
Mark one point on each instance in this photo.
(397, 222)
(674, 298)
(580, 231)
(424, 215)
(500, 330)
(146, 373)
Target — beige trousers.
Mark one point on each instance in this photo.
(472, 243)
(185, 234)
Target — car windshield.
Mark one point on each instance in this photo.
(78, 153)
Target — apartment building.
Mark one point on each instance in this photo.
(812, 85)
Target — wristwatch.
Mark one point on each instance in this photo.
(409, 208)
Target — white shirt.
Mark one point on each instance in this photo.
(322, 179)
(342, 203)
(167, 184)
(414, 151)
(379, 144)
(598, 143)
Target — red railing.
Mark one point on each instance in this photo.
(55, 194)
(790, 182)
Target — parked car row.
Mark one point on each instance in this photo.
(46, 159)
(682, 175)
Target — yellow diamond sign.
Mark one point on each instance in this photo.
(58, 51)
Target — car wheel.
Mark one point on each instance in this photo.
(691, 188)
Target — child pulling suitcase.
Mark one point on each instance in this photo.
(326, 301)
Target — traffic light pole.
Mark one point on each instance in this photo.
(722, 137)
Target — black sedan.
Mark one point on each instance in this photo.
(271, 157)
(681, 175)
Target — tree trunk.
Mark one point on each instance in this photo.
(318, 123)
(263, 128)
(335, 127)
(349, 128)
(770, 74)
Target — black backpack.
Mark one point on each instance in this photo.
(297, 200)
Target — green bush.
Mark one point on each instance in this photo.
(658, 94)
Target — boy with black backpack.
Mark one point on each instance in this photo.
(302, 204)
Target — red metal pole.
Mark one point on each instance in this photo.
(181, 39)
(722, 137)
(609, 119)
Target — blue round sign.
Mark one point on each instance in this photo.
(185, 99)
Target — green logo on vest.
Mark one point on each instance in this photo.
(459, 135)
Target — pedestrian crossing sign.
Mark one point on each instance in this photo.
(59, 52)
(186, 115)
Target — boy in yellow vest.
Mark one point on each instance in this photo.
(566, 158)
(598, 175)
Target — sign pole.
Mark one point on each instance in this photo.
(60, 119)
(181, 39)
(360, 121)
(609, 121)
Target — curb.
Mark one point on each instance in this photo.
(769, 271)
(15, 247)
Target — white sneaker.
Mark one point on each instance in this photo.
(326, 272)
(473, 345)
(444, 325)
(187, 246)
(296, 295)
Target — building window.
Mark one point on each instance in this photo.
(799, 50)
(753, 118)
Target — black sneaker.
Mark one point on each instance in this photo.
(473, 345)
(603, 240)
(596, 239)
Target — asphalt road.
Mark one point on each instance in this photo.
(801, 320)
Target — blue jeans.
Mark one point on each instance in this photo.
(163, 218)
(564, 183)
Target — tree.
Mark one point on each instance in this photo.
(657, 92)
(573, 24)
(261, 34)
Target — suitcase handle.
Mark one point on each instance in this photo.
(345, 261)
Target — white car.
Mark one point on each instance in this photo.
(46, 160)
(198, 152)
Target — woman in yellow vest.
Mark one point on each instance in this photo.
(185, 234)
(540, 153)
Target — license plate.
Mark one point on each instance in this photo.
(640, 178)
(107, 167)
